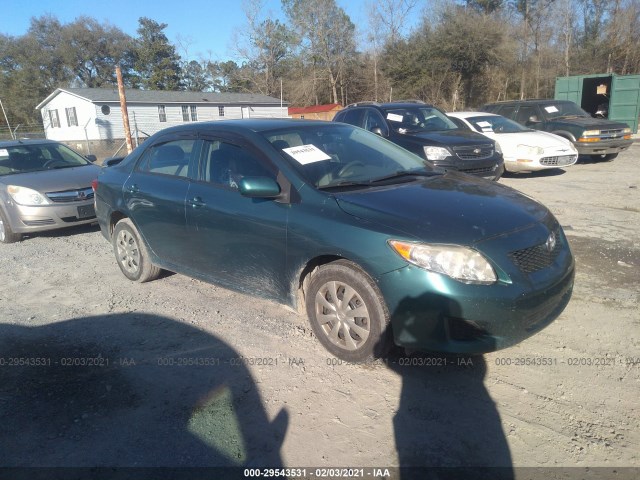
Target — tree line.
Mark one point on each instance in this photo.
(458, 54)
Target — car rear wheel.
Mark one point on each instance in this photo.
(132, 254)
(347, 312)
(6, 234)
(604, 157)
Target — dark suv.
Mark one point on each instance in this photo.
(600, 138)
(428, 132)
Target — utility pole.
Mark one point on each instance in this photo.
(7, 120)
(125, 113)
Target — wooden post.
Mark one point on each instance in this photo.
(125, 113)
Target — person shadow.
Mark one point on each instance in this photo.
(446, 425)
(130, 392)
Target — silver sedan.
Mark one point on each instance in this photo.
(44, 185)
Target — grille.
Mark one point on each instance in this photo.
(76, 219)
(36, 223)
(475, 152)
(478, 171)
(558, 161)
(69, 196)
(616, 133)
(537, 257)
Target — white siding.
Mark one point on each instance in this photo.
(85, 113)
(144, 117)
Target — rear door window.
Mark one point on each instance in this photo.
(171, 158)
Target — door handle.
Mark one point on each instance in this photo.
(196, 202)
(132, 188)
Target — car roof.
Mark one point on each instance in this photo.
(16, 143)
(530, 100)
(405, 105)
(247, 124)
(471, 114)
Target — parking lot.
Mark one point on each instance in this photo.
(96, 370)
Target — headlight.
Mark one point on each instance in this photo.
(26, 196)
(461, 263)
(626, 130)
(498, 149)
(588, 133)
(529, 150)
(436, 153)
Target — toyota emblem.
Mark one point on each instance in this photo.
(82, 195)
(477, 151)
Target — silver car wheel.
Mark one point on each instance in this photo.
(342, 315)
(3, 233)
(128, 252)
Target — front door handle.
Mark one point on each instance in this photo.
(196, 202)
(133, 188)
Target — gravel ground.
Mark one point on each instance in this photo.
(178, 372)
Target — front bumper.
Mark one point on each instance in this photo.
(550, 160)
(433, 312)
(491, 168)
(23, 219)
(603, 147)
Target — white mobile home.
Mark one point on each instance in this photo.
(90, 119)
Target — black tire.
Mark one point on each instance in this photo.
(132, 254)
(6, 234)
(348, 337)
(604, 157)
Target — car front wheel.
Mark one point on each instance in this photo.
(131, 253)
(6, 234)
(347, 312)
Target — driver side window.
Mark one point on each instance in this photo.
(225, 164)
(373, 119)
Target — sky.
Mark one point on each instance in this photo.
(205, 27)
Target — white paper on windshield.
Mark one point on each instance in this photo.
(551, 109)
(485, 125)
(394, 117)
(4, 152)
(305, 154)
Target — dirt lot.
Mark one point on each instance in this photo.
(181, 373)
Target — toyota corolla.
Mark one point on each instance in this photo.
(373, 243)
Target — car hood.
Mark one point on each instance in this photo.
(450, 208)
(533, 138)
(589, 123)
(56, 180)
(449, 137)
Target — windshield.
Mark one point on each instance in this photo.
(26, 158)
(343, 155)
(563, 109)
(495, 124)
(418, 119)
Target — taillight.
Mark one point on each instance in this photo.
(94, 185)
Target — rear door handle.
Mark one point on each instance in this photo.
(132, 188)
(196, 202)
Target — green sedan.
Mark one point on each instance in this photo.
(370, 241)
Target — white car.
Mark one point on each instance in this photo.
(524, 149)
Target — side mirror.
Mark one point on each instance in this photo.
(259, 187)
(533, 119)
(110, 162)
(91, 158)
(377, 131)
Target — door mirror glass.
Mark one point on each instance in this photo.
(259, 187)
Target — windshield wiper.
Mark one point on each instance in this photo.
(379, 180)
(68, 166)
(405, 173)
(344, 183)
